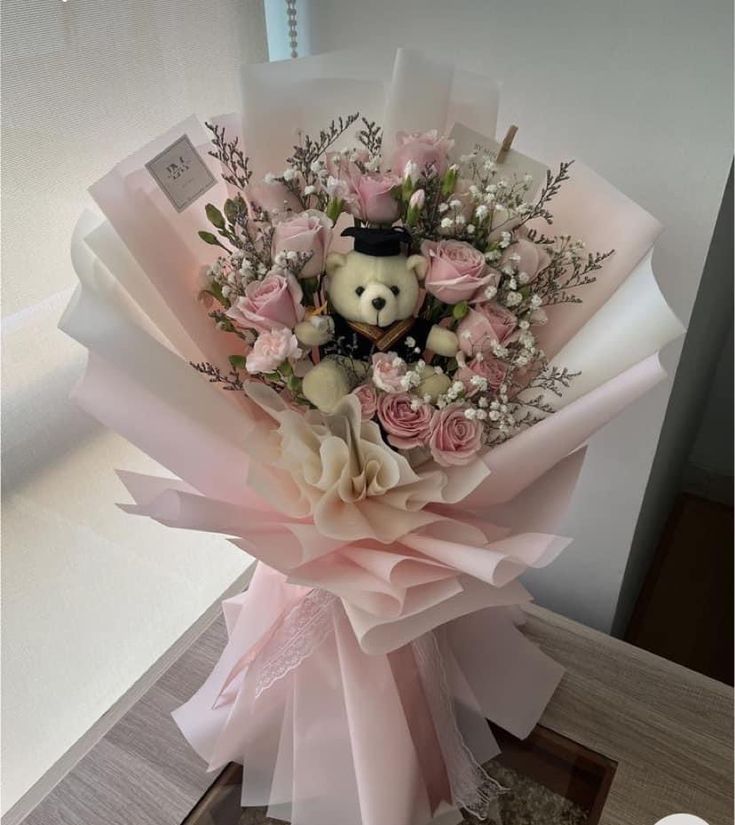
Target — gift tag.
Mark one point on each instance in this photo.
(512, 165)
(181, 173)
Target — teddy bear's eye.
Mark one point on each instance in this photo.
(359, 290)
(395, 290)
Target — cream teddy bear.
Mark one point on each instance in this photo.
(374, 292)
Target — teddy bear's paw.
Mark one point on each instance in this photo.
(326, 385)
(433, 384)
(442, 341)
(315, 332)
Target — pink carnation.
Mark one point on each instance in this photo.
(427, 150)
(483, 326)
(454, 439)
(456, 271)
(388, 371)
(271, 349)
(406, 426)
(273, 303)
(368, 399)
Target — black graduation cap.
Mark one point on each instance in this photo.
(377, 241)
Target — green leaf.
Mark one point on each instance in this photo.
(214, 216)
(223, 322)
(209, 238)
(237, 362)
(216, 290)
(334, 209)
(232, 210)
(460, 310)
(449, 182)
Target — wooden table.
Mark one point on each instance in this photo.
(669, 730)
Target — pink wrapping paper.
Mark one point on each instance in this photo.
(611, 221)
(380, 630)
(334, 734)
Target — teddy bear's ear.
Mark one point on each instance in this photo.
(418, 264)
(335, 261)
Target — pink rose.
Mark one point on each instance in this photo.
(526, 256)
(271, 197)
(307, 232)
(406, 426)
(366, 196)
(368, 399)
(485, 366)
(272, 303)
(372, 198)
(483, 326)
(388, 371)
(454, 439)
(271, 349)
(456, 271)
(426, 149)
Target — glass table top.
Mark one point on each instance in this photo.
(551, 780)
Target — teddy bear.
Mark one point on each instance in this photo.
(373, 292)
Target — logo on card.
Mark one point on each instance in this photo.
(181, 173)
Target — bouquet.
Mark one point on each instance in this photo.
(436, 343)
(373, 366)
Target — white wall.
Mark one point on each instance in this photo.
(641, 90)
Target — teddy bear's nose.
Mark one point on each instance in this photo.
(378, 303)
